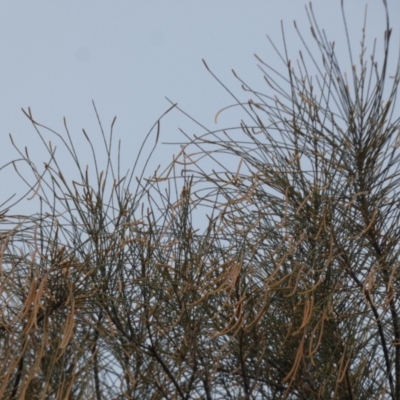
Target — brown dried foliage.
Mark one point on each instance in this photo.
(278, 280)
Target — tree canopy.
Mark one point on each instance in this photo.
(289, 288)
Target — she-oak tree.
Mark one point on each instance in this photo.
(110, 291)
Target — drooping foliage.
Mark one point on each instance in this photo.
(276, 279)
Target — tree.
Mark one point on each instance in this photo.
(290, 291)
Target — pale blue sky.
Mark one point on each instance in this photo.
(56, 57)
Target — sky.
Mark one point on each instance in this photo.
(128, 56)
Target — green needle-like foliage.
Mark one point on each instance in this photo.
(276, 279)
